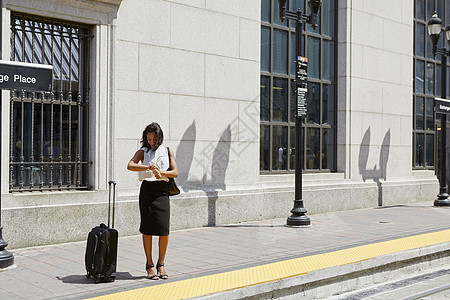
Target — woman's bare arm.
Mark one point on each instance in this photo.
(134, 163)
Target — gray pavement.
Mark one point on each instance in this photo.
(57, 271)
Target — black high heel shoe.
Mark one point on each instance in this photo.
(153, 277)
(162, 276)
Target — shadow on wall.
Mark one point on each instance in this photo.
(377, 172)
(219, 165)
(185, 154)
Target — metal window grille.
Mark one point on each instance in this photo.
(49, 130)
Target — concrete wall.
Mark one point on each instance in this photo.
(193, 67)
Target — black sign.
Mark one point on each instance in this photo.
(302, 85)
(301, 101)
(442, 106)
(302, 72)
(25, 76)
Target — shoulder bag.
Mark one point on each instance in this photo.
(173, 189)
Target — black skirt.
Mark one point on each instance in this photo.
(154, 207)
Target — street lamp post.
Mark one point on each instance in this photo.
(434, 30)
(299, 217)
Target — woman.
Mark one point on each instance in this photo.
(155, 167)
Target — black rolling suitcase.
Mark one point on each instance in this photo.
(101, 248)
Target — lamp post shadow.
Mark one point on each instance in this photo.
(376, 173)
(219, 165)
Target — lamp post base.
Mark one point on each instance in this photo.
(442, 200)
(298, 217)
(6, 257)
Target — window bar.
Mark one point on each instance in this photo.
(33, 94)
(69, 157)
(23, 39)
(11, 131)
(78, 162)
(41, 158)
(22, 95)
(84, 138)
(78, 150)
(61, 98)
(86, 102)
(32, 41)
(48, 40)
(11, 134)
(40, 35)
(52, 100)
(22, 103)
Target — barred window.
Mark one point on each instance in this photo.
(49, 130)
(278, 100)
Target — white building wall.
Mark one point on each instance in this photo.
(381, 89)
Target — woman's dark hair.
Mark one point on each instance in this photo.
(152, 128)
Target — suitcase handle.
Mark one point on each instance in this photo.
(111, 183)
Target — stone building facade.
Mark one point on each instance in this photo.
(195, 67)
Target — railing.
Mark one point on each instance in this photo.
(49, 130)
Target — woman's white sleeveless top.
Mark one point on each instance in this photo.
(159, 157)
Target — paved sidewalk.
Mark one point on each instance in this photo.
(57, 271)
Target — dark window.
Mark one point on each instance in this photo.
(427, 83)
(278, 98)
(49, 130)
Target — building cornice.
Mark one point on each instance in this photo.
(83, 11)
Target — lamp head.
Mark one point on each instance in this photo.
(314, 5)
(434, 30)
(447, 34)
(282, 9)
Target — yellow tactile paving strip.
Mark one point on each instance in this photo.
(274, 271)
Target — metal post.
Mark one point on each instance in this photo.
(298, 217)
(6, 257)
(442, 199)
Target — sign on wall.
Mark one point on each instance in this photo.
(302, 85)
(25, 76)
(442, 106)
